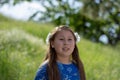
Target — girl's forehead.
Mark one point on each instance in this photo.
(64, 33)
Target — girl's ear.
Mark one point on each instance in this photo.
(52, 44)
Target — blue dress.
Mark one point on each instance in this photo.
(67, 72)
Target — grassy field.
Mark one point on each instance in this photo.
(22, 49)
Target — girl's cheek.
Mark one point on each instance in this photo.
(59, 42)
(72, 42)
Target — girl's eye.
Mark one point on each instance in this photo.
(61, 39)
(69, 39)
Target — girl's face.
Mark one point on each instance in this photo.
(64, 43)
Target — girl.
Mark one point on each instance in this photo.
(62, 61)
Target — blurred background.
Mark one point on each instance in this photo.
(24, 25)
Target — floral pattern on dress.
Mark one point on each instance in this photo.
(67, 72)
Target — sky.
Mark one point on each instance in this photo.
(21, 11)
(24, 10)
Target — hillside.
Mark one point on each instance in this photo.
(23, 47)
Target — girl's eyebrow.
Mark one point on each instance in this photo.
(64, 36)
(70, 36)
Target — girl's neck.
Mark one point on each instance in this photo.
(64, 60)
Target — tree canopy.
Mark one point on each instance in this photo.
(91, 18)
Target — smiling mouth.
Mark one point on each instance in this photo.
(65, 49)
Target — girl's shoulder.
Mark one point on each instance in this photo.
(42, 72)
(44, 64)
(43, 67)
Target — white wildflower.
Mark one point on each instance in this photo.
(48, 37)
(77, 36)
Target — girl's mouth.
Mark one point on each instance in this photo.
(65, 49)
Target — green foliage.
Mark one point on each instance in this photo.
(22, 49)
(98, 14)
(32, 28)
(18, 50)
(108, 11)
(101, 62)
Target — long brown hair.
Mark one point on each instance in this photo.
(52, 69)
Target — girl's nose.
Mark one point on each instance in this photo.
(66, 42)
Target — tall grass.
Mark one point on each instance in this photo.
(18, 54)
(33, 28)
(101, 62)
(22, 49)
